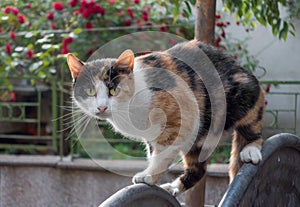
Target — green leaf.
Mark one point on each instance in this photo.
(186, 13)
(284, 31)
(292, 33)
(188, 6)
(30, 46)
(276, 27)
(77, 31)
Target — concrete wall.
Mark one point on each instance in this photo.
(48, 181)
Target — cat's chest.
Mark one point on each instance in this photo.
(131, 118)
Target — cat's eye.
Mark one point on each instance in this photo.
(113, 92)
(90, 92)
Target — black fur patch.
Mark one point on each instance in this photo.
(185, 69)
(158, 77)
(260, 114)
(191, 176)
(248, 133)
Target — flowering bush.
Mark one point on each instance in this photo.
(37, 34)
(237, 47)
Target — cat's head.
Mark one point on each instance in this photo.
(99, 85)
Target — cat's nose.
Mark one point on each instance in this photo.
(102, 108)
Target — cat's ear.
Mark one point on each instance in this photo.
(75, 65)
(125, 61)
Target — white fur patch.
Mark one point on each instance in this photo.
(143, 178)
(251, 153)
(172, 188)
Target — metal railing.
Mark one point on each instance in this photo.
(282, 117)
(22, 129)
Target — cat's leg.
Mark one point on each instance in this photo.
(193, 172)
(247, 140)
(243, 150)
(158, 162)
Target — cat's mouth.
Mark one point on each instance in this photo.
(102, 115)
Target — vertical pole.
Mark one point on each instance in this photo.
(54, 112)
(61, 113)
(205, 21)
(204, 32)
(39, 112)
(195, 197)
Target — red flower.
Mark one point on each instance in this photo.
(99, 9)
(21, 18)
(90, 52)
(73, 3)
(127, 22)
(268, 88)
(91, 3)
(58, 6)
(15, 10)
(89, 25)
(112, 1)
(163, 29)
(53, 26)
(8, 49)
(67, 40)
(64, 50)
(145, 16)
(29, 54)
(0, 30)
(130, 12)
(28, 6)
(136, 1)
(219, 24)
(83, 3)
(223, 34)
(7, 9)
(50, 16)
(120, 13)
(13, 36)
(218, 16)
(218, 40)
(86, 13)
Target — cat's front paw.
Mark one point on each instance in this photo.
(172, 188)
(251, 154)
(143, 178)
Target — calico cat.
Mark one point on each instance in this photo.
(158, 99)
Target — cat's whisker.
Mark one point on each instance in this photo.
(72, 123)
(77, 128)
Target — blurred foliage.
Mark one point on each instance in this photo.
(35, 35)
(266, 12)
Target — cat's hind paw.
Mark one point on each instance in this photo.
(172, 188)
(251, 153)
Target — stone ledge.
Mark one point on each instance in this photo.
(213, 170)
